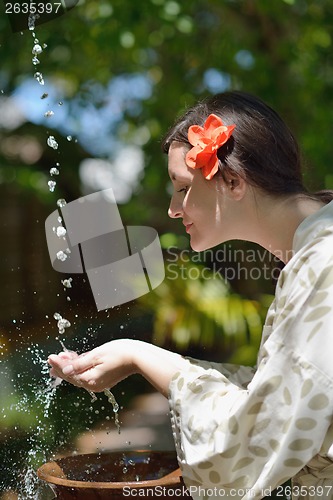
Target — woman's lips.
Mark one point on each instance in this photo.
(188, 227)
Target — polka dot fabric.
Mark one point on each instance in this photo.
(240, 430)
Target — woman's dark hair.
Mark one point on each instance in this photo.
(261, 149)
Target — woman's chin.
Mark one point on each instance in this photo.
(201, 245)
(198, 246)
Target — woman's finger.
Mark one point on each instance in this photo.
(70, 366)
(81, 364)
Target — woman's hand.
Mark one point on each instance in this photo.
(105, 366)
(95, 370)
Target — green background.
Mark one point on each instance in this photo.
(145, 62)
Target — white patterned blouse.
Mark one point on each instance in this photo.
(240, 432)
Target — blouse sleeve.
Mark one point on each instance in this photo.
(239, 375)
(240, 441)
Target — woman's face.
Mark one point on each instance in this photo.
(204, 206)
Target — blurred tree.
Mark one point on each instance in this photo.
(118, 73)
(280, 50)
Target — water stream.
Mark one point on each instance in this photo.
(30, 487)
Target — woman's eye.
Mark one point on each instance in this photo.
(183, 190)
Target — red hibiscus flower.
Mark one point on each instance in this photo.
(206, 141)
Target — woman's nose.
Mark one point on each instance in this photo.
(175, 209)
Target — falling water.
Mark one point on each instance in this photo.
(115, 406)
(30, 488)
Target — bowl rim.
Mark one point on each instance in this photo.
(171, 479)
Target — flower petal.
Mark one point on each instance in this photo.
(220, 131)
(203, 158)
(210, 169)
(211, 124)
(191, 157)
(195, 134)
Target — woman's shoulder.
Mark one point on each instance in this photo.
(310, 264)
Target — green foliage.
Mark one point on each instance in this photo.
(280, 50)
(193, 307)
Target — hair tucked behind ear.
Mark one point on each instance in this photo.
(262, 149)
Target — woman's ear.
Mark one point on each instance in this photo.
(236, 186)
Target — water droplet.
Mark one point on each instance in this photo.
(44, 96)
(52, 142)
(61, 256)
(39, 77)
(44, 45)
(31, 22)
(52, 185)
(93, 398)
(61, 202)
(69, 138)
(54, 171)
(35, 61)
(37, 49)
(62, 324)
(60, 103)
(48, 114)
(125, 470)
(67, 282)
(57, 315)
(61, 231)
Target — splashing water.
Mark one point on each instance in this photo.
(54, 171)
(32, 20)
(61, 202)
(67, 283)
(37, 49)
(39, 77)
(61, 256)
(52, 142)
(52, 185)
(62, 322)
(115, 407)
(30, 487)
(60, 231)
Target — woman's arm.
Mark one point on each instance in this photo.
(112, 362)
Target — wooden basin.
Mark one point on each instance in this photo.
(115, 476)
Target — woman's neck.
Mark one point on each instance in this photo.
(278, 219)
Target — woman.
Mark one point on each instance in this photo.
(240, 432)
